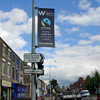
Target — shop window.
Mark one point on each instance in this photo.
(13, 58)
(9, 69)
(12, 72)
(16, 74)
(3, 68)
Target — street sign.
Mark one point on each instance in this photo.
(36, 57)
(33, 71)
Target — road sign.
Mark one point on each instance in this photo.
(36, 57)
(33, 71)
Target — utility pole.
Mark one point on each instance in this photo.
(33, 76)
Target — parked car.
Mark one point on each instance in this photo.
(85, 94)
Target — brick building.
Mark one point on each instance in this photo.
(11, 73)
(80, 84)
(41, 88)
(13, 82)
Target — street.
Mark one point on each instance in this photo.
(91, 98)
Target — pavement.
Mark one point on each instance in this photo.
(94, 97)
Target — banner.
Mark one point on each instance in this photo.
(46, 28)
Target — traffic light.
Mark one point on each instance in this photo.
(40, 67)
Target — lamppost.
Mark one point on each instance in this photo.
(33, 77)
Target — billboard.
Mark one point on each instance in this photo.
(46, 36)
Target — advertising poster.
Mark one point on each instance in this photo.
(46, 28)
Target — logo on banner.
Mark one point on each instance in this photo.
(42, 13)
(45, 21)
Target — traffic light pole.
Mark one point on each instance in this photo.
(33, 76)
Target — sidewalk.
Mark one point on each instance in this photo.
(46, 98)
(94, 97)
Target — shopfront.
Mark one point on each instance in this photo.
(19, 91)
(6, 90)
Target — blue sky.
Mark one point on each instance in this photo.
(77, 35)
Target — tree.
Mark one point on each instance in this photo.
(93, 82)
(54, 84)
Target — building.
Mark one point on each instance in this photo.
(42, 88)
(11, 73)
(80, 84)
(13, 82)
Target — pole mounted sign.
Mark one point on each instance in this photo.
(46, 27)
(34, 71)
(36, 57)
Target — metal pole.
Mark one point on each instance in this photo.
(33, 76)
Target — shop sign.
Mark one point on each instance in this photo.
(6, 83)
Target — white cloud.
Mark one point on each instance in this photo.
(95, 38)
(15, 16)
(12, 25)
(72, 61)
(91, 17)
(21, 53)
(69, 39)
(84, 34)
(84, 4)
(57, 30)
(85, 42)
(92, 39)
(73, 29)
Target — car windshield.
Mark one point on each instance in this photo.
(84, 92)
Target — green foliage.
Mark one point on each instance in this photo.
(68, 89)
(54, 84)
(93, 82)
(90, 85)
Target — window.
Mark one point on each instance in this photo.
(3, 68)
(21, 75)
(4, 49)
(9, 54)
(16, 74)
(21, 67)
(12, 72)
(13, 57)
(21, 81)
(17, 61)
(8, 69)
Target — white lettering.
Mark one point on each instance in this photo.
(42, 13)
